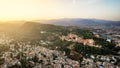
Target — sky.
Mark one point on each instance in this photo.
(54, 9)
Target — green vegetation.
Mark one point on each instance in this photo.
(83, 33)
(32, 32)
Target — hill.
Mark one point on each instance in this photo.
(50, 34)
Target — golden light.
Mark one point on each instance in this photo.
(26, 9)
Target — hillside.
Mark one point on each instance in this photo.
(36, 32)
(73, 42)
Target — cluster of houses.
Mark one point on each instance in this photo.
(75, 38)
(100, 61)
(35, 57)
(4, 40)
(118, 43)
(26, 55)
(109, 35)
(46, 58)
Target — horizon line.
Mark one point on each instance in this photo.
(10, 20)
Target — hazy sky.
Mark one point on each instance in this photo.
(52, 9)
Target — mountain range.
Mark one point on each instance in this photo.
(94, 23)
(83, 22)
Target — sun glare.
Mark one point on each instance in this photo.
(24, 9)
(52, 9)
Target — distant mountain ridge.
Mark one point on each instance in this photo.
(84, 22)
